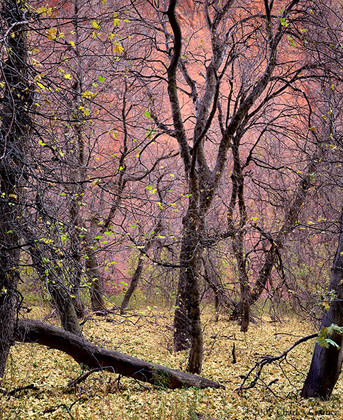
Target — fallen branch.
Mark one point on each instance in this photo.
(257, 368)
(88, 354)
(20, 389)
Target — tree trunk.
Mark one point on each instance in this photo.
(96, 287)
(133, 285)
(65, 307)
(14, 133)
(250, 295)
(138, 272)
(327, 362)
(187, 324)
(88, 354)
(59, 293)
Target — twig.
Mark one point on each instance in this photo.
(85, 375)
(267, 360)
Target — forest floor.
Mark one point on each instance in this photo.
(147, 335)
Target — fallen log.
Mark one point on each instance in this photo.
(86, 353)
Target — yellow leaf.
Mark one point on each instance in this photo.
(72, 43)
(117, 48)
(95, 24)
(51, 33)
(326, 305)
(67, 76)
(88, 94)
(41, 85)
(96, 182)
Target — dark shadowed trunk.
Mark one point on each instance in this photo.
(65, 306)
(60, 294)
(14, 132)
(92, 270)
(326, 363)
(187, 325)
(96, 284)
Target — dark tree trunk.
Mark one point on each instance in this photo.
(327, 362)
(14, 133)
(65, 307)
(92, 270)
(59, 293)
(187, 324)
(96, 287)
(88, 354)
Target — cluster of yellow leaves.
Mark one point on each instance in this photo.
(45, 11)
(148, 334)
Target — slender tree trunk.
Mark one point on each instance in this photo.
(14, 133)
(326, 363)
(76, 251)
(133, 285)
(250, 295)
(138, 272)
(96, 284)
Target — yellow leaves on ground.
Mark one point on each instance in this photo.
(148, 334)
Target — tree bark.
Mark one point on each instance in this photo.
(96, 290)
(326, 363)
(65, 307)
(84, 352)
(96, 287)
(187, 323)
(14, 132)
(59, 293)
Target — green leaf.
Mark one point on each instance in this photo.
(147, 114)
(333, 343)
(283, 22)
(95, 24)
(336, 328)
(101, 79)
